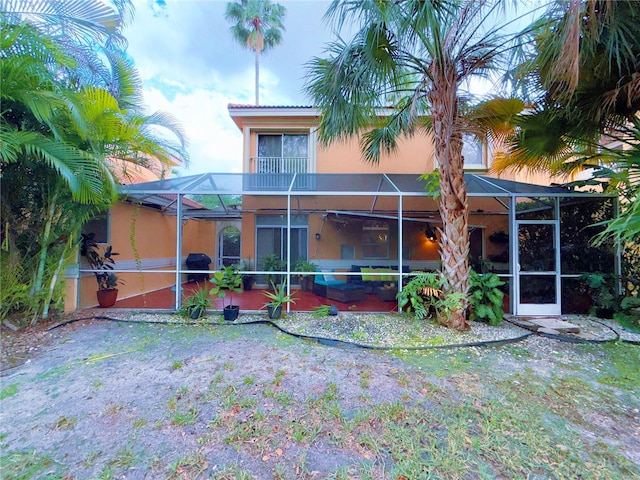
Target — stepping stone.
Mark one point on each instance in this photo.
(554, 325)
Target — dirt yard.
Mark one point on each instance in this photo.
(101, 399)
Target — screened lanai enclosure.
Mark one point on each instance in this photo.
(347, 239)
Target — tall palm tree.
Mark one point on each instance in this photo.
(257, 26)
(412, 57)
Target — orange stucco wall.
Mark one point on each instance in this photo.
(154, 246)
(414, 155)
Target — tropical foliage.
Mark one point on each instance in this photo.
(62, 133)
(485, 297)
(583, 78)
(424, 297)
(402, 72)
(257, 26)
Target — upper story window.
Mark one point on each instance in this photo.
(286, 153)
(473, 152)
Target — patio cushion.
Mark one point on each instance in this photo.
(365, 270)
(329, 276)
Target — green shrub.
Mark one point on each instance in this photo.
(485, 297)
(424, 296)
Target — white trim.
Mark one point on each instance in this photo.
(165, 264)
(257, 111)
(537, 308)
(246, 136)
(414, 265)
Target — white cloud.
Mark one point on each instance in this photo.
(192, 68)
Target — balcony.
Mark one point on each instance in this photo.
(279, 165)
(272, 166)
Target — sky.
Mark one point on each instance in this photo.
(192, 68)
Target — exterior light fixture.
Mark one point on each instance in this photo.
(318, 236)
(430, 233)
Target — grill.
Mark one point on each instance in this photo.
(198, 261)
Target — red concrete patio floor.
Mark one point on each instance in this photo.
(253, 300)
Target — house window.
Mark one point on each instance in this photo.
(99, 227)
(473, 152)
(375, 240)
(286, 153)
(229, 247)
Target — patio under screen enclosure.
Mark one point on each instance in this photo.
(364, 234)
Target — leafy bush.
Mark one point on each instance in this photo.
(14, 294)
(602, 290)
(424, 296)
(485, 297)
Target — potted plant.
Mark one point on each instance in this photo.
(278, 297)
(273, 263)
(101, 260)
(227, 280)
(247, 280)
(196, 304)
(306, 281)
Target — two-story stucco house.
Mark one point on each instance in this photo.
(356, 222)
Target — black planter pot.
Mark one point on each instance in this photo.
(231, 312)
(274, 312)
(306, 283)
(196, 313)
(247, 284)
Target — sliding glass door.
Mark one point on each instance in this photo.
(271, 239)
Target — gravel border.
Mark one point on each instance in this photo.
(368, 330)
(378, 330)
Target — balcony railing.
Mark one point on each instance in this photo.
(271, 167)
(280, 164)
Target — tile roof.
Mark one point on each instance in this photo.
(240, 105)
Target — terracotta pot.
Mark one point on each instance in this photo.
(107, 298)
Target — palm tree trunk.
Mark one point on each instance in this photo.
(453, 207)
(257, 77)
(45, 240)
(54, 277)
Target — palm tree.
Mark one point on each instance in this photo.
(585, 78)
(31, 127)
(87, 31)
(257, 26)
(412, 59)
(582, 78)
(58, 131)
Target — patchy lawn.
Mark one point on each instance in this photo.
(133, 400)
